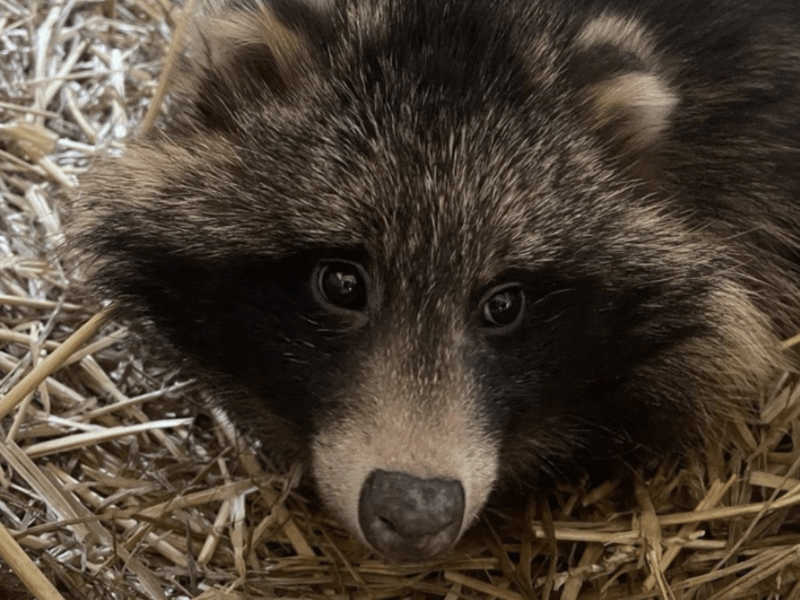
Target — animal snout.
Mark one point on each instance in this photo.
(408, 518)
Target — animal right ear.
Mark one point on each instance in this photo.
(251, 51)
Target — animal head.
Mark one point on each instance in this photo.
(426, 244)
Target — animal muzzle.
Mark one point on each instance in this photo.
(407, 472)
(407, 518)
(407, 492)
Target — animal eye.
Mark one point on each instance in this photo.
(504, 307)
(341, 284)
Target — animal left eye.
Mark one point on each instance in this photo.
(504, 307)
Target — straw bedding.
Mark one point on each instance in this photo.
(116, 483)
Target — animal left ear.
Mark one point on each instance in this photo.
(627, 90)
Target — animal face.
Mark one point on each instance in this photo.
(435, 246)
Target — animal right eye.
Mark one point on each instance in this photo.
(341, 285)
(503, 307)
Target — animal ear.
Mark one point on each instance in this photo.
(628, 92)
(250, 51)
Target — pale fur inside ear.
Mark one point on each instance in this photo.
(626, 34)
(234, 34)
(632, 105)
(637, 105)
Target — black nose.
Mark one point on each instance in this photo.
(407, 518)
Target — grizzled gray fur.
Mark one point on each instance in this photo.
(435, 246)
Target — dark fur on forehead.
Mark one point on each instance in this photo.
(447, 54)
(440, 52)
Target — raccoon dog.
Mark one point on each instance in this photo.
(438, 245)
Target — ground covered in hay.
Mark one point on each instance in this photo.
(113, 486)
